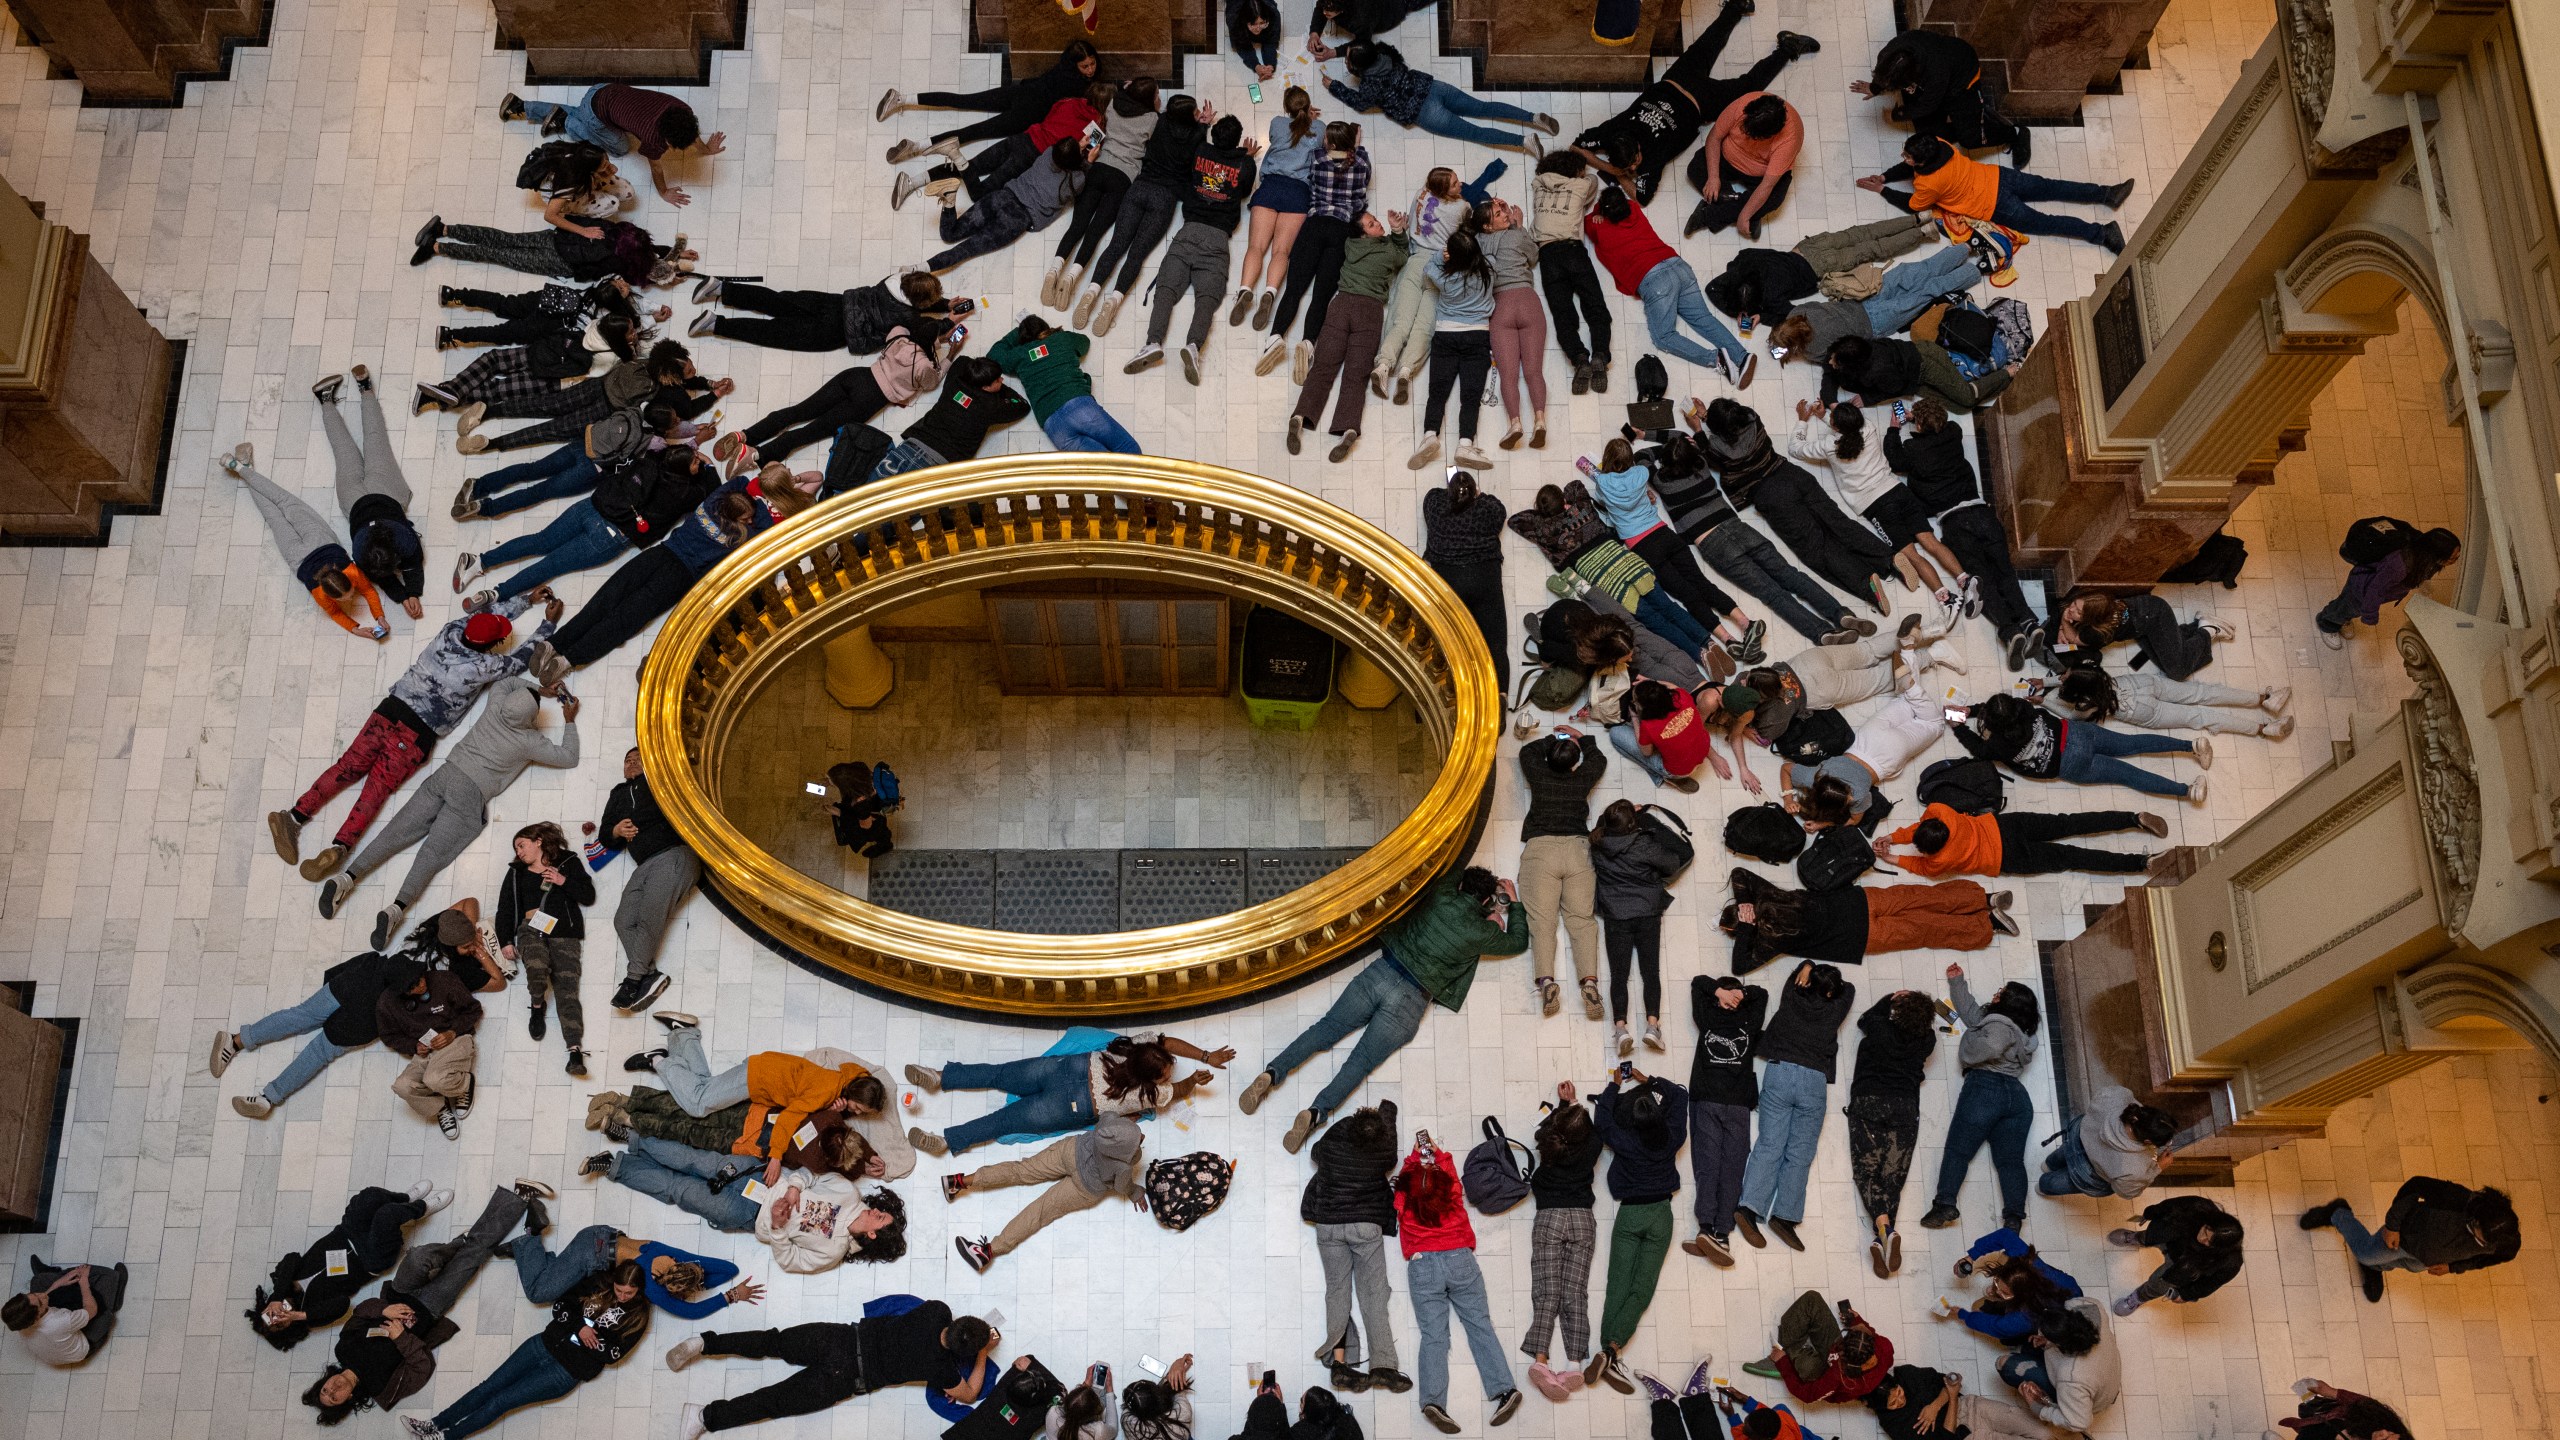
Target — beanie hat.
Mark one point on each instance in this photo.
(485, 631)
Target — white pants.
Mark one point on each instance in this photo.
(1900, 732)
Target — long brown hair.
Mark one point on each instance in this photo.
(1302, 114)
(554, 843)
(1134, 1065)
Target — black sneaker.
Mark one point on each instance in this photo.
(538, 1024)
(577, 1064)
(2319, 1217)
(644, 1063)
(651, 988)
(1749, 1225)
(2372, 1281)
(1941, 1216)
(1440, 1420)
(1582, 377)
(626, 996)
(449, 1120)
(2021, 149)
(1394, 1382)
(1348, 1378)
(599, 1163)
(448, 296)
(1795, 46)
(1785, 1230)
(974, 1253)
(1506, 1407)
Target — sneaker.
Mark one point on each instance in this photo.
(449, 1120)
(1299, 1129)
(2155, 826)
(2003, 921)
(466, 568)
(1765, 1369)
(1297, 433)
(1599, 377)
(2125, 1239)
(478, 600)
(1263, 307)
(650, 989)
(325, 389)
(644, 1063)
(2334, 639)
(974, 1253)
(2277, 729)
(1404, 390)
(1785, 1230)
(1506, 1407)
(1550, 997)
(1473, 458)
(286, 832)
(386, 923)
(2321, 1216)
(706, 291)
(1893, 1253)
(226, 1048)
(333, 893)
(321, 866)
(1795, 46)
(705, 322)
(2016, 651)
(1582, 377)
(1592, 1009)
(2371, 1280)
(1614, 1374)
(577, 1065)
(1378, 384)
(1394, 1382)
(466, 502)
(1941, 1217)
(1710, 1249)
(1685, 784)
(891, 102)
(1876, 1260)
(1274, 350)
(1257, 1092)
(2126, 1303)
(1242, 307)
(1302, 358)
(256, 1107)
(1108, 315)
(906, 150)
(428, 235)
(1621, 1041)
(678, 1020)
(511, 107)
(926, 1141)
(420, 1428)
(907, 183)
(1653, 1037)
(2196, 791)
(600, 1163)
(953, 1187)
(2275, 698)
(2204, 752)
(1749, 1225)
(929, 1081)
(1191, 363)
(1342, 447)
(1439, 1419)
(1428, 451)
(1147, 358)
(1086, 298)
(1702, 1379)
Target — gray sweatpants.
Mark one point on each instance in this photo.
(436, 1275)
(298, 529)
(442, 820)
(1195, 261)
(1355, 1257)
(650, 899)
(375, 470)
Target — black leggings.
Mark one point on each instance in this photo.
(801, 319)
(1478, 583)
(1638, 939)
(1461, 358)
(1097, 206)
(1315, 270)
(993, 167)
(1146, 212)
(827, 1352)
(1572, 283)
(641, 591)
(852, 397)
(1676, 566)
(1018, 107)
(2027, 848)
(1823, 537)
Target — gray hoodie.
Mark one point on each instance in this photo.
(1107, 1156)
(2083, 1385)
(508, 737)
(2128, 1164)
(1991, 1042)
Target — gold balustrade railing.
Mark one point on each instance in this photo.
(1043, 517)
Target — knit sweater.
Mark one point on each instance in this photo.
(1472, 536)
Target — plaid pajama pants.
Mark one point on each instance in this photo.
(502, 381)
(1561, 1246)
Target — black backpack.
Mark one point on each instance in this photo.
(1496, 1178)
(1967, 332)
(2373, 538)
(1968, 786)
(1816, 736)
(1651, 409)
(558, 167)
(1018, 1408)
(1835, 859)
(1766, 833)
(2217, 562)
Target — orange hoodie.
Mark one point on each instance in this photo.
(791, 1090)
(1972, 848)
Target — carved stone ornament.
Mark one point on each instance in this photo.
(2311, 55)
(2448, 784)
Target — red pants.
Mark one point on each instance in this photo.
(1950, 915)
(384, 755)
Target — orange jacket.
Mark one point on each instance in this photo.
(1972, 848)
(345, 621)
(791, 1090)
(1963, 187)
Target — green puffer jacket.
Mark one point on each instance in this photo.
(1439, 943)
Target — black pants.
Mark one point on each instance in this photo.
(830, 1359)
(512, 332)
(2027, 848)
(1640, 940)
(1460, 358)
(1097, 206)
(1675, 565)
(1146, 212)
(1691, 1417)
(1980, 543)
(852, 397)
(800, 319)
(646, 587)
(1315, 269)
(1717, 213)
(1572, 282)
(1479, 584)
(991, 168)
(1821, 534)
(1018, 107)
(1969, 122)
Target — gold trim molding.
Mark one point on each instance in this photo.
(1023, 518)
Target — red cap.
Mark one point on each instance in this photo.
(485, 630)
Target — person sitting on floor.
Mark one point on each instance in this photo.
(66, 1313)
(1821, 1359)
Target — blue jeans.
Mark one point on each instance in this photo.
(1450, 113)
(1673, 621)
(904, 456)
(1670, 294)
(2367, 1247)
(681, 1176)
(1914, 285)
(1442, 1281)
(2018, 189)
(2025, 1367)
(2089, 754)
(583, 123)
(547, 1277)
(696, 1088)
(1082, 424)
(1051, 1093)
(564, 472)
(1384, 1005)
(1791, 1105)
(529, 1377)
(1991, 1108)
(1623, 738)
(580, 539)
(302, 1019)
(2067, 1170)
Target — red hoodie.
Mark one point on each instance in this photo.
(1453, 1232)
(1068, 117)
(1629, 248)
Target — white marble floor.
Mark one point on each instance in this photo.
(161, 692)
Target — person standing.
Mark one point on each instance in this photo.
(1354, 325)
(2437, 1226)
(664, 873)
(1562, 1242)
(1895, 1038)
(2199, 1244)
(1644, 1128)
(542, 925)
(1992, 1107)
(1722, 1093)
(2411, 560)
(622, 119)
(1801, 1050)
(1556, 876)
(1440, 1265)
(1352, 1205)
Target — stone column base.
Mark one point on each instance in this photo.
(141, 54)
(580, 42)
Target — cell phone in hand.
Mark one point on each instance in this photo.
(1956, 714)
(814, 788)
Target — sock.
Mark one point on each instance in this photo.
(298, 817)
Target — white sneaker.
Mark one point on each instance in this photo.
(1943, 656)
(1429, 452)
(689, 1424)
(684, 1352)
(466, 568)
(1191, 363)
(2275, 698)
(2335, 640)
(420, 1191)
(907, 183)
(1147, 358)
(1086, 299)
(2204, 752)
(891, 102)
(1108, 315)
(2277, 729)
(1626, 1042)
(1472, 457)
(2196, 789)
(1301, 360)
(437, 1201)
(1274, 351)
(1049, 282)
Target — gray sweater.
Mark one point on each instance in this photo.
(2126, 1162)
(508, 737)
(1513, 256)
(1991, 1042)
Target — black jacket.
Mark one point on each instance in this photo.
(1169, 150)
(958, 423)
(1720, 1072)
(1784, 277)
(1643, 1169)
(2192, 1271)
(645, 499)
(1806, 1029)
(379, 520)
(523, 892)
(1891, 1060)
(1564, 1183)
(1632, 869)
(1893, 369)
(1940, 476)
(1560, 804)
(632, 801)
(2435, 1227)
(1948, 68)
(358, 984)
(1695, 501)
(1351, 1186)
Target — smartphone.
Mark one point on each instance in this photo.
(1099, 1377)
(1900, 411)
(814, 788)
(1749, 324)
(1626, 1069)
(1955, 714)
(1583, 464)
(1253, 88)
(1778, 352)
(1152, 1366)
